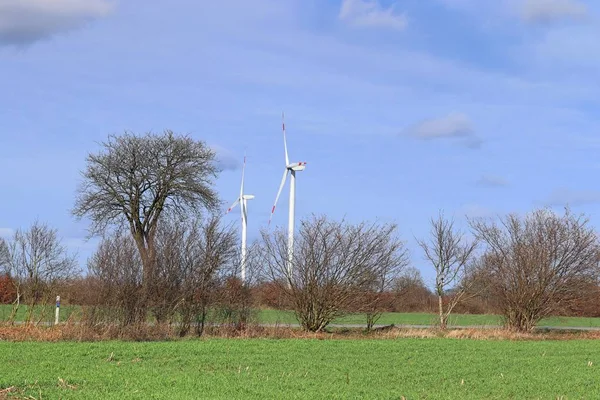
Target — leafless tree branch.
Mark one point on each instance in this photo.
(333, 262)
(36, 261)
(538, 264)
(450, 253)
(136, 179)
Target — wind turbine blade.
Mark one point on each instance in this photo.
(243, 171)
(278, 194)
(235, 203)
(287, 159)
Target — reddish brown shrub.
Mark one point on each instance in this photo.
(8, 291)
(414, 299)
(587, 304)
(270, 295)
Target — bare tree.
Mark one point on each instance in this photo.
(136, 179)
(117, 266)
(333, 261)
(8, 268)
(449, 252)
(217, 252)
(173, 239)
(37, 261)
(372, 299)
(539, 264)
(235, 303)
(4, 254)
(191, 256)
(407, 280)
(410, 292)
(8, 287)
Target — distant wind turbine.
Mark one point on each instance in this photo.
(291, 169)
(243, 200)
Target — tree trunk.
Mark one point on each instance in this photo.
(443, 318)
(148, 257)
(15, 308)
(370, 321)
(521, 321)
(202, 320)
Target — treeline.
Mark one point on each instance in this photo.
(544, 264)
(166, 257)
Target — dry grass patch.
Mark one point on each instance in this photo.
(85, 333)
(143, 332)
(5, 392)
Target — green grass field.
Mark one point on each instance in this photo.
(45, 314)
(287, 317)
(303, 369)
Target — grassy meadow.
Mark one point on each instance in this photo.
(44, 314)
(302, 369)
(287, 317)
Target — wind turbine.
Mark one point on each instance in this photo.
(243, 201)
(290, 168)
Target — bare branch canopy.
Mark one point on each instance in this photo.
(136, 178)
(450, 253)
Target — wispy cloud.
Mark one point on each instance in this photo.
(369, 13)
(451, 126)
(568, 47)
(563, 197)
(552, 10)
(491, 181)
(226, 160)
(23, 22)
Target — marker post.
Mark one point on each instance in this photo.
(57, 312)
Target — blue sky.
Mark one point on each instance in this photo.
(477, 107)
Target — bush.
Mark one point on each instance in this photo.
(332, 263)
(8, 290)
(538, 265)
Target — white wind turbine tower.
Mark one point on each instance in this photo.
(291, 169)
(243, 200)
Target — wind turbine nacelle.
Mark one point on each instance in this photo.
(248, 196)
(299, 166)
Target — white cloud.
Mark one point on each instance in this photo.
(369, 13)
(225, 159)
(563, 197)
(453, 125)
(300, 60)
(568, 47)
(467, 5)
(6, 233)
(491, 181)
(24, 22)
(498, 14)
(552, 10)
